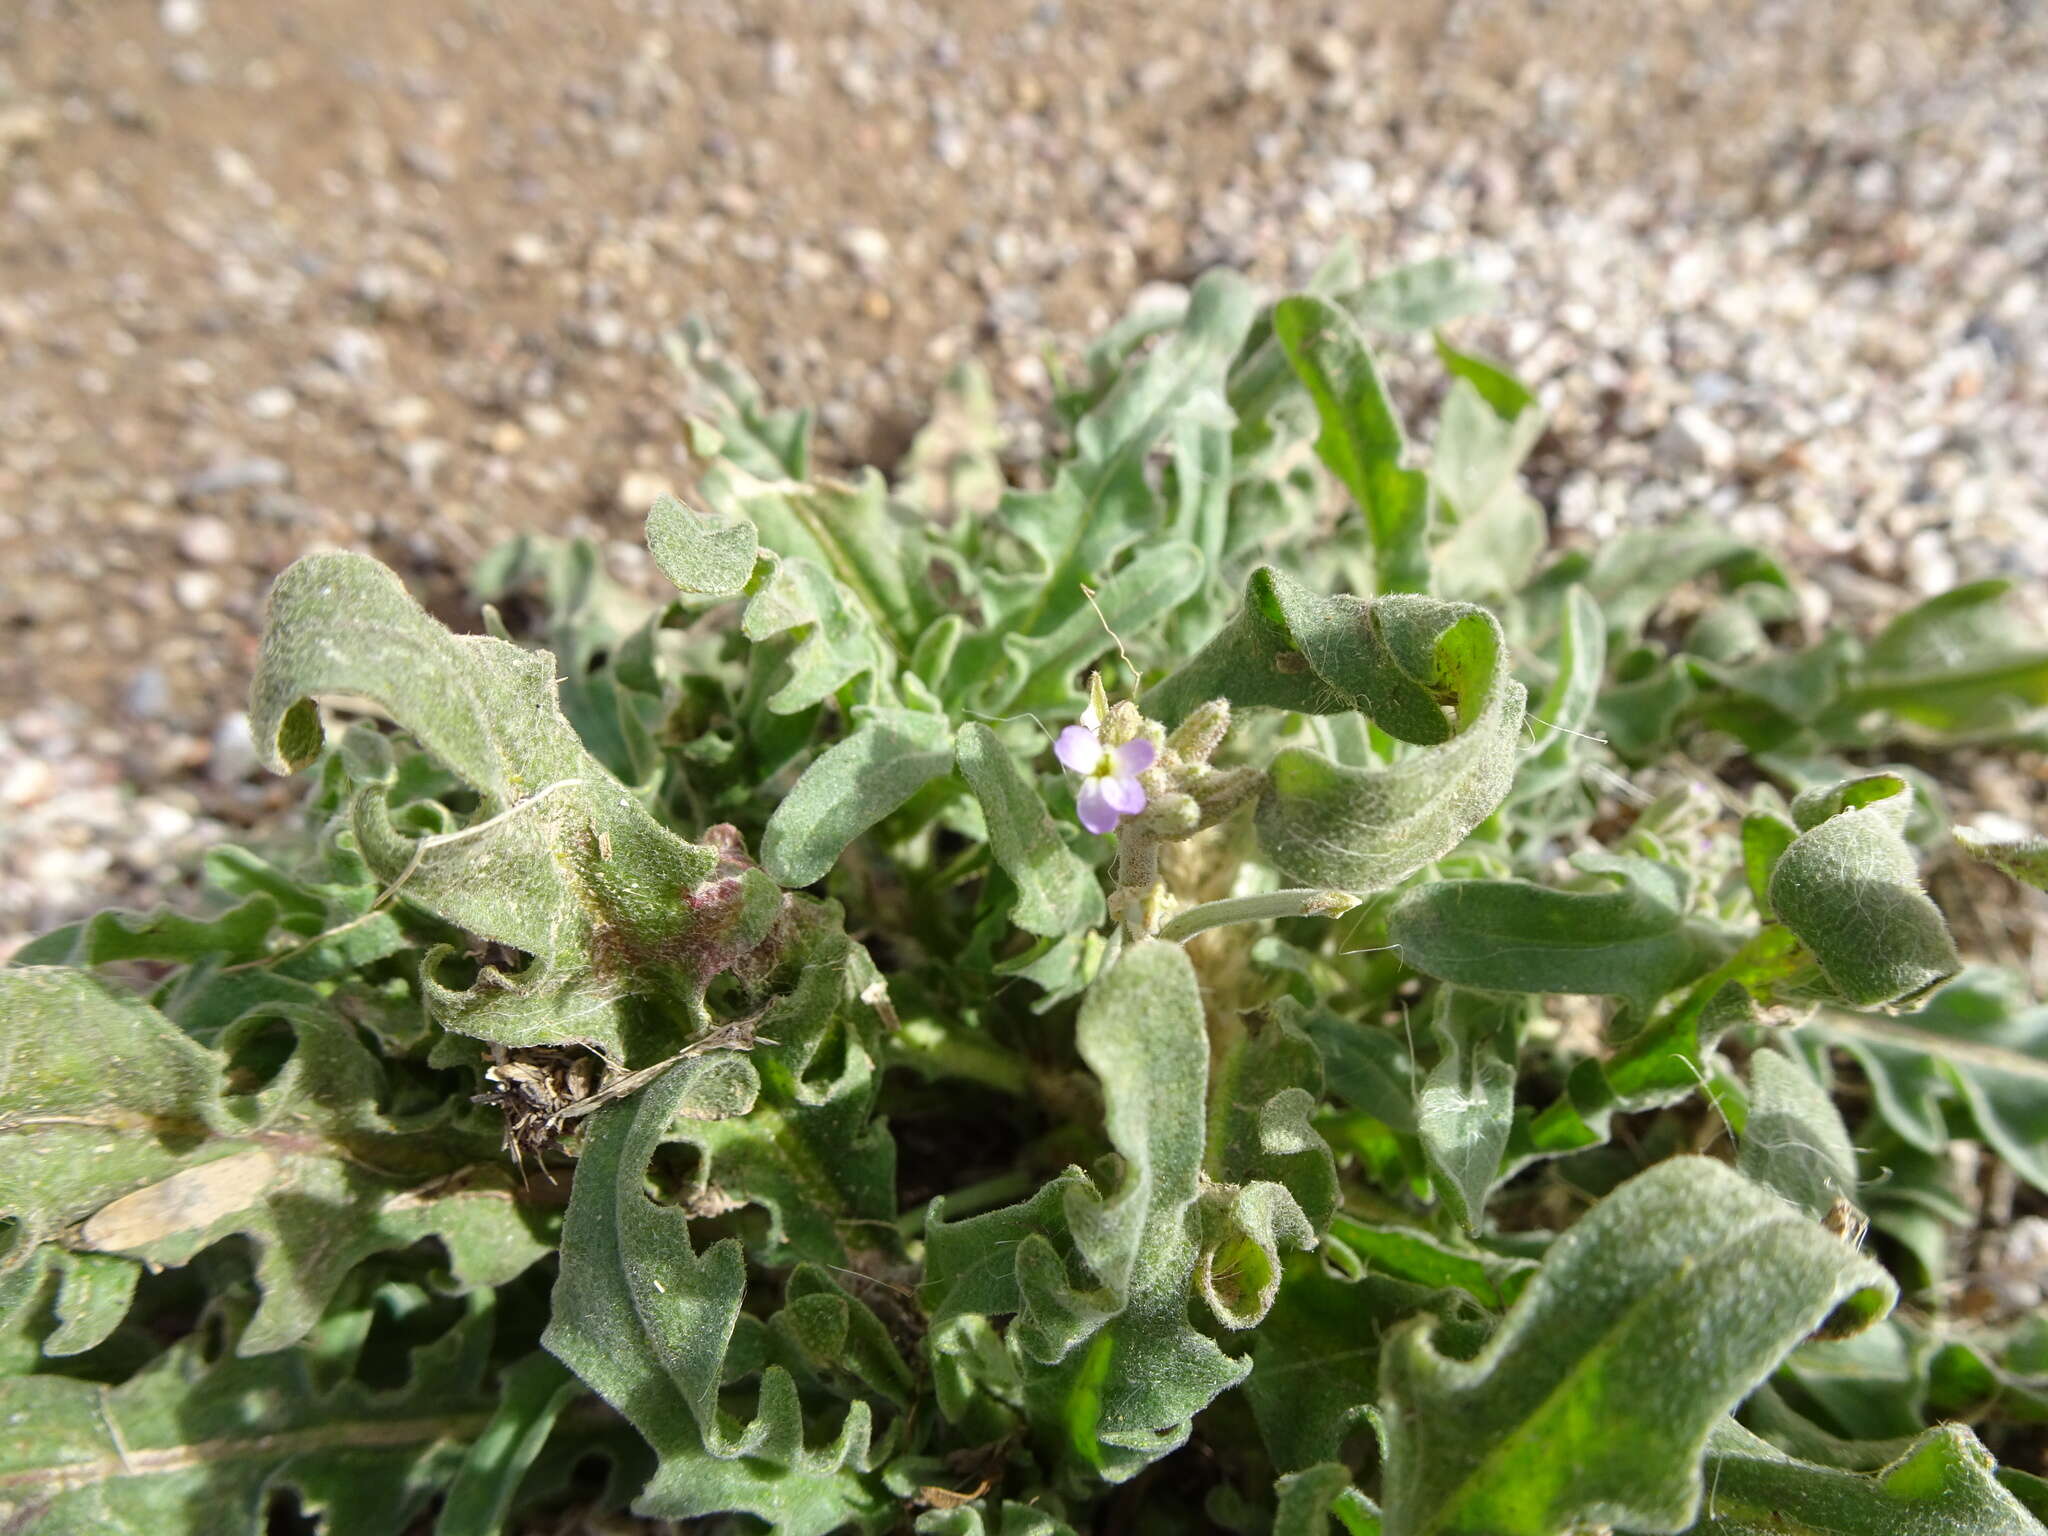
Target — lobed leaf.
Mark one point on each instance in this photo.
(559, 863)
(123, 1139)
(646, 1321)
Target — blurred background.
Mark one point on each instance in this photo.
(394, 274)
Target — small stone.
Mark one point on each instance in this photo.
(1693, 439)
(148, 695)
(866, 247)
(181, 18)
(231, 475)
(544, 421)
(529, 250)
(1265, 70)
(270, 404)
(507, 437)
(232, 752)
(206, 541)
(27, 781)
(607, 330)
(641, 489)
(196, 591)
(1329, 54)
(407, 413)
(354, 352)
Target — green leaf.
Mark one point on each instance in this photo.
(559, 862)
(1793, 1139)
(1630, 940)
(192, 1444)
(1266, 1089)
(1506, 394)
(531, 1396)
(1943, 1484)
(1467, 1103)
(1113, 1371)
(835, 641)
(1399, 660)
(121, 1138)
(848, 533)
(1960, 666)
(1038, 670)
(1567, 705)
(1364, 829)
(1112, 1367)
(2024, 857)
(1309, 1500)
(1849, 887)
(1422, 296)
(1498, 530)
(1056, 892)
(705, 557)
(1100, 503)
(1315, 1360)
(809, 1149)
(645, 1320)
(852, 785)
(1976, 1044)
(1649, 1320)
(1361, 441)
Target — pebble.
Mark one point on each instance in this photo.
(271, 404)
(206, 540)
(230, 475)
(1692, 439)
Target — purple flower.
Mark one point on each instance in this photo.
(1109, 789)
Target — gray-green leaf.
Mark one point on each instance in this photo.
(1056, 892)
(1849, 887)
(1593, 1402)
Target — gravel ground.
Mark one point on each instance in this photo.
(395, 276)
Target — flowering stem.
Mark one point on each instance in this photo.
(1256, 909)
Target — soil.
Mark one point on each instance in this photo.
(397, 276)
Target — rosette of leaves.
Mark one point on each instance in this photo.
(693, 1063)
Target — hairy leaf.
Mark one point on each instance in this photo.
(1361, 440)
(1399, 660)
(1940, 1485)
(559, 863)
(2024, 857)
(1849, 886)
(1793, 1139)
(1629, 941)
(1977, 1044)
(1056, 892)
(122, 1138)
(1467, 1104)
(705, 557)
(854, 783)
(189, 1444)
(1650, 1319)
(808, 1149)
(645, 1320)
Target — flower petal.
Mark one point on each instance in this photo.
(1123, 793)
(1097, 814)
(1134, 757)
(1078, 749)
